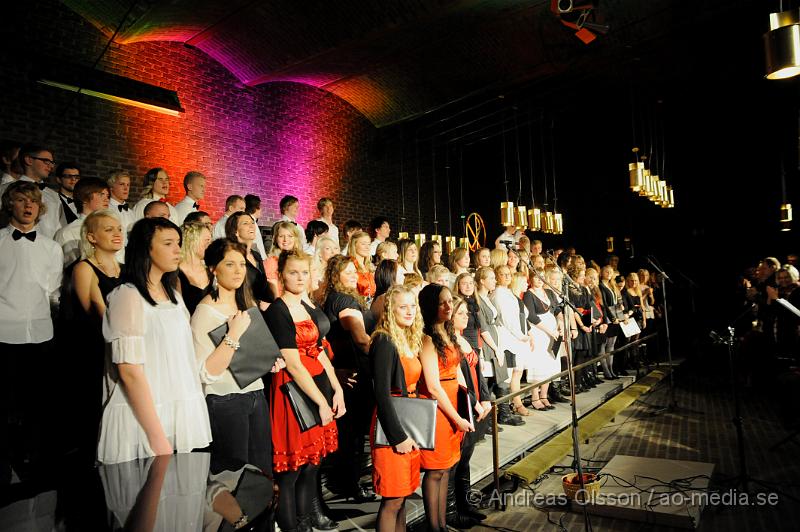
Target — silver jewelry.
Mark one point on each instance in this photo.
(240, 522)
(230, 342)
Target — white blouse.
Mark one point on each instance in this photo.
(160, 340)
(205, 319)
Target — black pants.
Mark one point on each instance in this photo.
(459, 479)
(240, 427)
(28, 408)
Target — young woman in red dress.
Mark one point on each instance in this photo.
(440, 357)
(297, 328)
(358, 251)
(394, 352)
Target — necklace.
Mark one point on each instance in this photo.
(111, 272)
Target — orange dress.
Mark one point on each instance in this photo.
(395, 474)
(447, 451)
(271, 270)
(291, 448)
(366, 282)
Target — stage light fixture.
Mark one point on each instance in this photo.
(782, 44)
(419, 239)
(786, 217)
(402, 235)
(507, 214)
(558, 223)
(535, 219)
(521, 217)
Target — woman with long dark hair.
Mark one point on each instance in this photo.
(385, 277)
(440, 357)
(408, 261)
(298, 329)
(239, 416)
(241, 228)
(430, 254)
(394, 352)
(154, 403)
(350, 321)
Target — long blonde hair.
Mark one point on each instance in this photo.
(407, 340)
(274, 250)
(351, 252)
(191, 239)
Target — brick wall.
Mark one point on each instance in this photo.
(271, 140)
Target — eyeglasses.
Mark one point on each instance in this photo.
(48, 162)
(70, 176)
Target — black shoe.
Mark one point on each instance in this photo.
(473, 512)
(304, 523)
(461, 521)
(318, 518)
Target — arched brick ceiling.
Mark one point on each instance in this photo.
(392, 59)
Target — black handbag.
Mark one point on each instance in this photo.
(305, 410)
(465, 404)
(417, 417)
(257, 351)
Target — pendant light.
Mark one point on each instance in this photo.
(786, 207)
(782, 44)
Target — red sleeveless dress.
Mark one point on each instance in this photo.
(395, 474)
(448, 437)
(366, 282)
(291, 448)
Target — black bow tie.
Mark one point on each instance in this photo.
(42, 185)
(67, 199)
(17, 234)
(195, 205)
(122, 207)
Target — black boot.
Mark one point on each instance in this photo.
(465, 507)
(455, 518)
(554, 395)
(304, 523)
(319, 520)
(505, 417)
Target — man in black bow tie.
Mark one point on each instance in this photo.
(30, 279)
(36, 163)
(194, 183)
(119, 183)
(67, 176)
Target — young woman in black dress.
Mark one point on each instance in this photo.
(193, 276)
(241, 228)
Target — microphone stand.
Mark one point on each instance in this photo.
(673, 403)
(565, 305)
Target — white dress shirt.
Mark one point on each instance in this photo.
(183, 208)
(219, 228)
(30, 279)
(260, 242)
(7, 178)
(69, 238)
(373, 247)
(138, 209)
(51, 221)
(333, 231)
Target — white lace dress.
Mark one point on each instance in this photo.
(510, 334)
(160, 339)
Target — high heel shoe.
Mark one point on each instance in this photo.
(546, 403)
(542, 407)
(521, 410)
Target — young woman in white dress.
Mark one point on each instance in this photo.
(153, 401)
(512, 336)
(545, 330)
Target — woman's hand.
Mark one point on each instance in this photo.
(238, 324)
(486, 408)
(406, 446)
(603, 328)
(338, 403)
(263, 306)
(279, 365)
(347, 377)
(464, 425)
(325, 414)
(573, 333)
(161, 446)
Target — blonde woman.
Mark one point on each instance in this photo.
(498, 257)
(325, 249)
(386, 251)
(459, 263)
(648, 300)
(632, 298)
(514, 335)
(93, 278)
(193, 275)
(284, 238)
(394, 353)
(359, 252)
(614, 310)
(407, 263)
(438, 274)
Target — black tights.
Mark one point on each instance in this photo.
(391, 515)
(434, 498)
(297, 490)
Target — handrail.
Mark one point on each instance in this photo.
(527, 388)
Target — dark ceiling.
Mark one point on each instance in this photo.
(398, 59)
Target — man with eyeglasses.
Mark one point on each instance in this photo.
(67, 176)
(36, 163)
